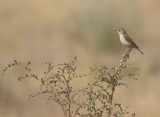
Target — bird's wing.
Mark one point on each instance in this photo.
(128, 38)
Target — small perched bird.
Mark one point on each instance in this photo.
(127, 41)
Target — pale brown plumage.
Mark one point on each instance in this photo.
(127, 40)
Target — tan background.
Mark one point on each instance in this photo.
(58, 30)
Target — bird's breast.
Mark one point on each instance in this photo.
(123, 40)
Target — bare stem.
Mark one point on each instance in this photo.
(121, 64)
(69, 100)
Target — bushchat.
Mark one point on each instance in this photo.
(126, 40)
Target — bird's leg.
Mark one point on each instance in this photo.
(127, 53)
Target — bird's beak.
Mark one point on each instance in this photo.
(115, 30)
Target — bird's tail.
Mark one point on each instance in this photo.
(139, 50)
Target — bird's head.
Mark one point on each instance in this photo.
(120, 31)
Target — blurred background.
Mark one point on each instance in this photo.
(56, 30)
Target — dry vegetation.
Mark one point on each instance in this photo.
(93, 100)
(56, 31)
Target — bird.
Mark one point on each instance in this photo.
(127, 41)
